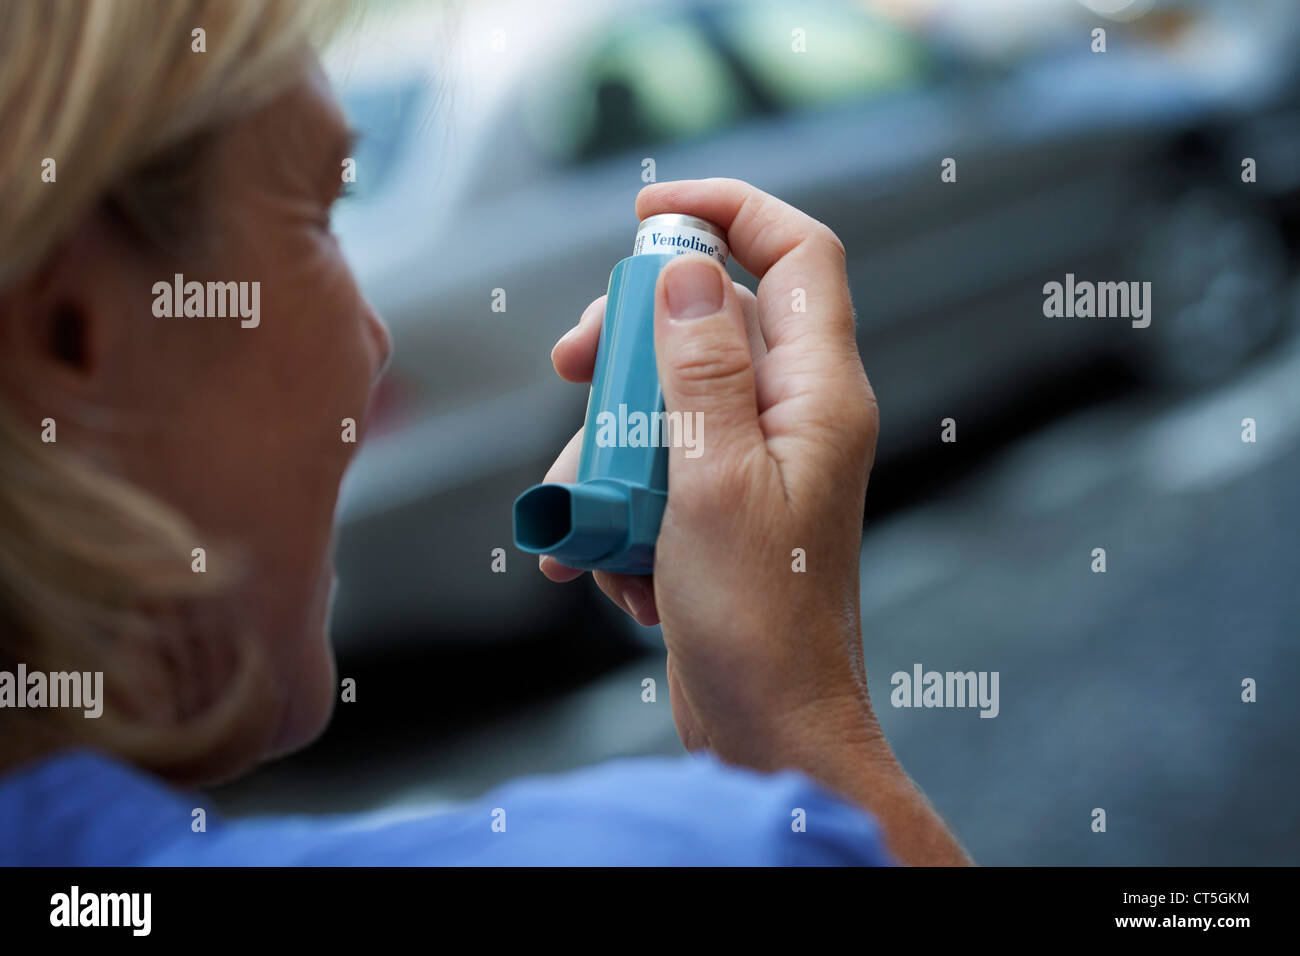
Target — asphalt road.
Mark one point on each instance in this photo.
(1118, 690)
(1121, 690)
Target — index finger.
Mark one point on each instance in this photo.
(785, 248)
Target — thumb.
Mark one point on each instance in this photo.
(706, 370)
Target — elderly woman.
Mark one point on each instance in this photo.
(129, 440)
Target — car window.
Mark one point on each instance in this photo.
(848, 54)
(651, 79)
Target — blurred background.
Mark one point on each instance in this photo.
(502, 147)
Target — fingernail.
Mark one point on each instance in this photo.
(693, 288)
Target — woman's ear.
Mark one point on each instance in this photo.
(55, 322)
(68, 336)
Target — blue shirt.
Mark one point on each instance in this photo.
(80, 807)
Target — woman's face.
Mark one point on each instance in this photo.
(241, 428)
(264, 443)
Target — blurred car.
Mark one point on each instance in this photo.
(508, 166)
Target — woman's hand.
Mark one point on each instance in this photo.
(756, 565)
(755, 644)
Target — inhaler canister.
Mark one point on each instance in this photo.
(608, 519)
(677, 234)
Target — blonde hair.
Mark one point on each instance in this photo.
(115, 94)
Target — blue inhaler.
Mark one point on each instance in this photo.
(608, 519)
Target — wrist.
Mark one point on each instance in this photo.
(844, 749)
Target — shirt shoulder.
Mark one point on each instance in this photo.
(672, 811)
(84, 808)
(81, 808)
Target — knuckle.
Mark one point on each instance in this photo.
(826, 235)
(866, 426)
(704, 365)
(849, 433)
(733, 183)
(862, 419)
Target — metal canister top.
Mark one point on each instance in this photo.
(673, 232)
